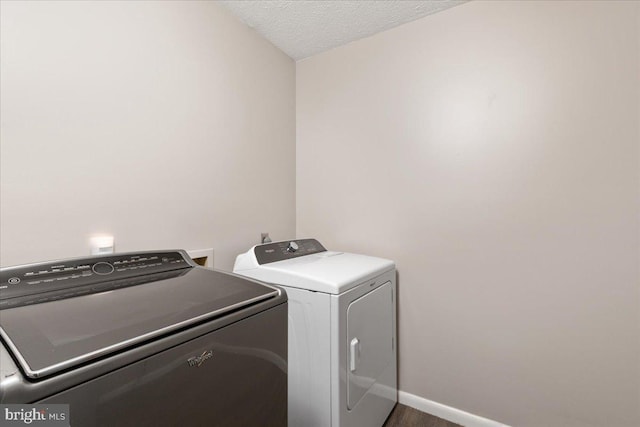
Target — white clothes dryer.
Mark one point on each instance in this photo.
(342, 331)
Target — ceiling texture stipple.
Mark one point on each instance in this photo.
(304, 28)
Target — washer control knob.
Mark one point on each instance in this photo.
(292, 247)
(102, 268)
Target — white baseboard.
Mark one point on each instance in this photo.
(446, 412)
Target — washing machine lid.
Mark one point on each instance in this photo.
(51, 331)
(319, 270)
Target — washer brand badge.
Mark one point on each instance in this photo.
(35, 415)
(197, 361)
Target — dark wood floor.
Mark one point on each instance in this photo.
(404, 416)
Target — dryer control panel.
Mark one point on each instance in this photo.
(280, 251)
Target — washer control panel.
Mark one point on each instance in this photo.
(280, 251)
(21, 281)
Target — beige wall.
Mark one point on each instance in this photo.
(492, 151)
(166, 124)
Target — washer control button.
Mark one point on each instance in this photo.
(292, 247)
(102, 268)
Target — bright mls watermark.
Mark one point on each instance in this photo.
(35, 415)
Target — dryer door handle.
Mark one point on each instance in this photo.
(354, 353)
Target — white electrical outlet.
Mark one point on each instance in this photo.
(101, 245)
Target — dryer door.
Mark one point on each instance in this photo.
(369, 341)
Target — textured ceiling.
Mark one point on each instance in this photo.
(303, 28)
